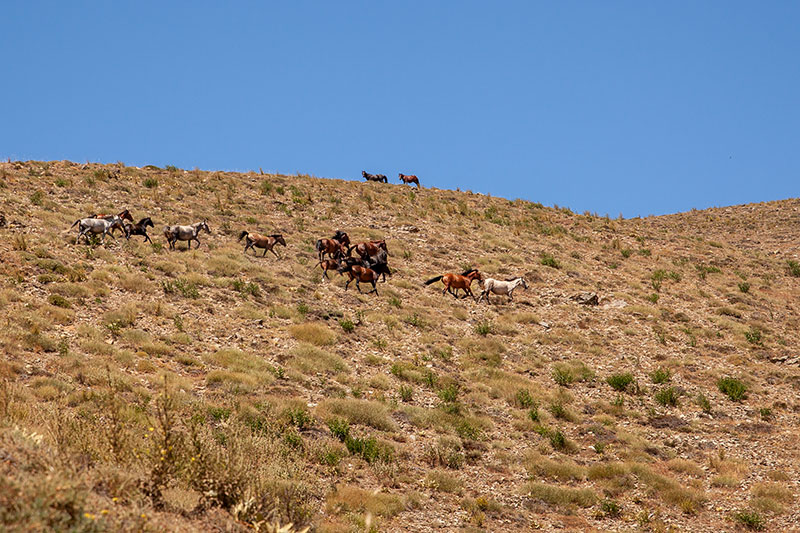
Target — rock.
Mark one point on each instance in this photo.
(586, 298)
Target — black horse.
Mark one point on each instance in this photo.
(374, 177)
(140, 228)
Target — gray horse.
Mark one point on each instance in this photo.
(185, 233)
(96, 226)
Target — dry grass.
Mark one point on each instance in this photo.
(437, 400)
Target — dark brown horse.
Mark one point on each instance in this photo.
(453, 282)
(342, 237)
(368, 249)
(140, 228)
(374, 177)
(359, 273)
(330, 247)
(407, 179)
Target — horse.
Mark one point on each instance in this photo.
(123, 216)
(405, 178)
(140, 228)
(379, 263)
(267, 242)
(185, 233)
(342, 237)
(456, 281)
(96, 226)
(368, 249)
(359, 273)
(332, 247)
(501, 287)
(328, 264)
(374, 177)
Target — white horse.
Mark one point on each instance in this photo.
(96, 226)
(501, 287)
(185, 233)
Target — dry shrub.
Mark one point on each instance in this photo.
(347, 498)
(308, 358)
(560, 496)
(373, 414)
(314, 333)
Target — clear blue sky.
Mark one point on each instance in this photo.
(612, 107)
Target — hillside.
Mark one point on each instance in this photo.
(144, 389)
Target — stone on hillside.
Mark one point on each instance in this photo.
(586, 298)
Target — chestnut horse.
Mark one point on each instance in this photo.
(332, 247)
(453, 282)
(405, 178)
(267, 242)
(359, 273)
(374, 177)
(368, 249)
(328, 264)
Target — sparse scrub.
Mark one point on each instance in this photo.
(620, 382)
(733, 388)
(667, 397)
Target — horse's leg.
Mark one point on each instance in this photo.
(358, 286)
(274, 252)
(374, 288)
(147, 237)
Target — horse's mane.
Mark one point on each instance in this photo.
(470, 271)
(142, 221)
(514, 279)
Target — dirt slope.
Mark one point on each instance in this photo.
(673, 404)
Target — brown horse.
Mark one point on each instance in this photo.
(359, 273)
(123, 216)
(331, 247)
(405, 178)
(328, 264)
(453, 282)
(368, 249)
(267, 242)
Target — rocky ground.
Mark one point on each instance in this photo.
(149, 389)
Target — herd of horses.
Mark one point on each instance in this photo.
(369, 264)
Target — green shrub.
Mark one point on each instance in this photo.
(750, 519)
(610, 508)
(150, 183)
(703, 403)
(483, 328)
(340, 428)
(794, 268)
(59, 301)
(347, 325)
(662, 375)
(754, 336)
(449, 394)
(406, 393)
(744, 287)
(667, 397)
(563, 376)
(732, 388)
(524, 399)
(620, 382)
(549, 260)
(557, 440)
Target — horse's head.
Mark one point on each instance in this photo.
(523, 283)
(126, 215)
(204, 225)
(279, 238)
(364, 173)
(148, 222)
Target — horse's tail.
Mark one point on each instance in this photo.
(434, 280)
(242, 235)
(73, 224)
